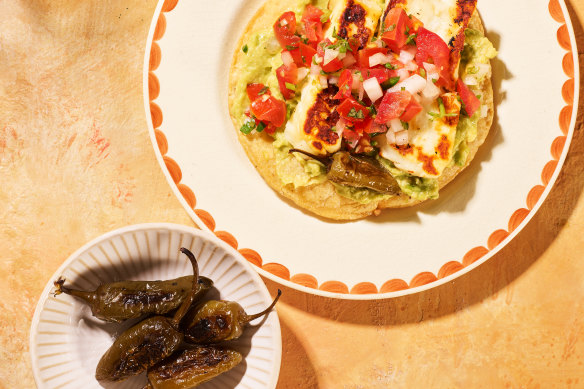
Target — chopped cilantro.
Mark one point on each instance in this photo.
(389, 83)
(423, 72)
(263, 90)
(290, 47)
(260, 127)
(405, 125)
(244, 49)
(248, 126)
(353, 113)
(390, 66)
(391, 28)
(411, 39)
(290, 86)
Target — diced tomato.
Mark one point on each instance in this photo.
(470, 101)
(269, 109)
(412, 110)
(432, 49)
(313, 31)
(351, 137)
(287, 75)
(382, 74)
(270, 128)
(312, 13)
(352, 111)
(363, 55)
(364, 126)
(416, 24)
(345, 85)
(256, 90)
(285, 28)
(398, 27)
(303, 55)
(392, 106)
(333, 66)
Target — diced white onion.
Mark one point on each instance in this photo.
(287, 58)
(323, 81)
(333, 80)
(378, 59)
(407, 55)
(302, 73)
(470, 80)
(356, 81)
(349, 60)
(373, 89)
(314, 69)
(403, 73)
(329, 55)
(395, 125)
(484, 111)
(273, 46)
(431, 91)
(340, 126)
(430, 67)
(401, 138)
(411, 66)
(413, 84)
(380, 43)
(283, 22)
(390, 135)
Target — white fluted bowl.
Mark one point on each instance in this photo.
(66, 341)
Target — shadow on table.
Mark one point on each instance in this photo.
(481, 283)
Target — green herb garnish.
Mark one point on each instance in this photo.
(244, 49)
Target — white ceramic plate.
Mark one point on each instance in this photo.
(476, 215)
(66, 341)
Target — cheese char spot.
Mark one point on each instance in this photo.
(321, 118)
(354, 15)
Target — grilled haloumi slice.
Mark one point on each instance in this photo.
(447, 18)
(431, 141)
(311, 127)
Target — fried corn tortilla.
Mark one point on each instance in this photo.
(322, 198)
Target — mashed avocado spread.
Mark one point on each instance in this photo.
(259, 64)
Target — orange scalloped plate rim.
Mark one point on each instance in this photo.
(574, 78)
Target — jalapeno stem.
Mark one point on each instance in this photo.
(186, 304)
(87, 296)
(326, 161)
(265, 311)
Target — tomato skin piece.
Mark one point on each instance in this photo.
(254, 89)
(287, 74)
(312, 13)
(432, 49)
(285, 33)
(313, 31)
(269, 109)
(396, 23)
(412, 110)
(347, 105)
(303, 55)
(381, 74)
(392, 106)
(333, 66)
(470, 101)
(345, 85)
(364, 54)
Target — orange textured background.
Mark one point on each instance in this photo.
(76, 161)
